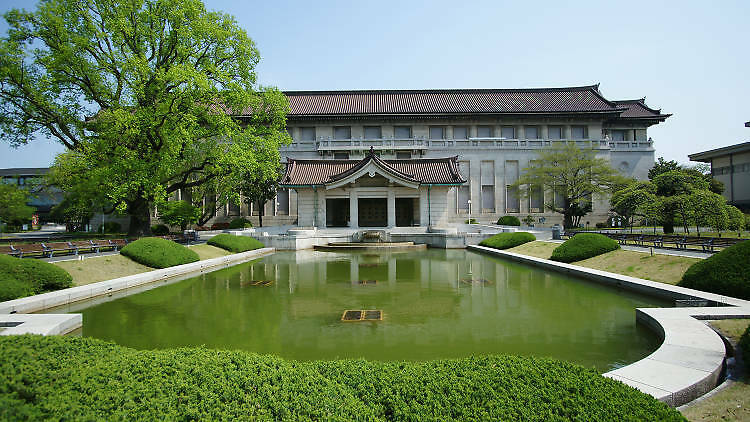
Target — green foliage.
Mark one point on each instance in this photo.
(240, 223)
(528, 220)
(576, 174)
(508, 220)
(158, 253)
(471, 221)
(30, 276)
(179, 213)
(259, 188)
(633, 200)
(159, 230)
(507, 240)
(662, 166)
(233, 243)
(13, 208)
(725, 273)
(583, 246)
(73, 378)
(110, 227)
(735, 219)
(163, 80)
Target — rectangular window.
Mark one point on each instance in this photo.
(512, 196)
(401, 155)
(618, 135)
(282, 199)
(554, 132)
(484, 131)
(342, 132)
(579, 132)
(307, 133)
(536, 199)
(340, 155)
(460, 132)
(402, 132)
(508, 132)
(487, 178)
(437, 132)
(532, 132)
(373, 132)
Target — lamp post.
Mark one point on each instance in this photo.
(469, 202)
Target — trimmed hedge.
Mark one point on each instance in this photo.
(240, 223)
(583, 246)
(25, 277)
(159, 253)
(73, 378)
(725, 273)
(508, 220)
(744, 346)
(234, 243)
(159, 230)
(508, 240)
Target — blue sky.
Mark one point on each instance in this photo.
(688, 57)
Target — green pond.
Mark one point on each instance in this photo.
(434, 303)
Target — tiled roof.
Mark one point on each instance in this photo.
(637, 109)
(448, 101)
(321, 172)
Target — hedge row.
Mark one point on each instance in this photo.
(725, 273)
(240, 223)
(507, 240)
(26, 277)
(158, 253)
(744, 346)
(234, 243)
(583, 246)
(508, 220)
(69, 378)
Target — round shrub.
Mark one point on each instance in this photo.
(234, 243)
(72, 378)
(40, 276)
(240, 223)
(508, 240)
(160, 230)
(725, 273)
(158, 253)
(744, 345)
(508, 220)
(583, 246)
(12, 288)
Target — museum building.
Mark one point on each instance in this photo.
(392, 158)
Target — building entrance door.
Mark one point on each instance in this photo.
(337, 212)
(405, 212)
(373, 212)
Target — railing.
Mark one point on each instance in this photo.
(362, 144)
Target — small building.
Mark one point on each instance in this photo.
(731, 166)
(372, 192)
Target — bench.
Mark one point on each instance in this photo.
(30, 250)
(63, 247)
(9, 250)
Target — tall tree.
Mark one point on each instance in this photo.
(144, 94)
(258, 189)
(632, 201)
(674, 189)
(576, 173)
(662, 166)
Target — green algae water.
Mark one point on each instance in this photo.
(435, 304)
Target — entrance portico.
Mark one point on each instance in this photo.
(372, 192)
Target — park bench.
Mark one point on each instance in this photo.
(9, 250)
(102, 245)
(85, 245)
(30, 249)
(117, 243)
(62, 247)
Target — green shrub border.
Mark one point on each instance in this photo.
(156, 252)
(234, 243)
(726, 272)
(24, 277)
(508, 240)
(583, 246)
(508, 220)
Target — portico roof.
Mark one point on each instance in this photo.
(333, 173)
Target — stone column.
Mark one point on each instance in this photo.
(353, 209)
(423, 207)
(391, 207)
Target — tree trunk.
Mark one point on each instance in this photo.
(140, 218)
(261, 211)
(567, 221)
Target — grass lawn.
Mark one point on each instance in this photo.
(662, 268)
(733, 402)
(107, 267)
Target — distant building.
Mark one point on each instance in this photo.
(43, 199)
(359, 157)
(731, 166)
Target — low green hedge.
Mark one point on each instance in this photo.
(73, 378)
(240, 223)
(725, 273)
(25, 277)
(234, 243)
(508, 220)
(583, 246)
(158, 253)
(508, 240)
(744, 346)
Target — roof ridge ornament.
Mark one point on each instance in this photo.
(372, 151)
